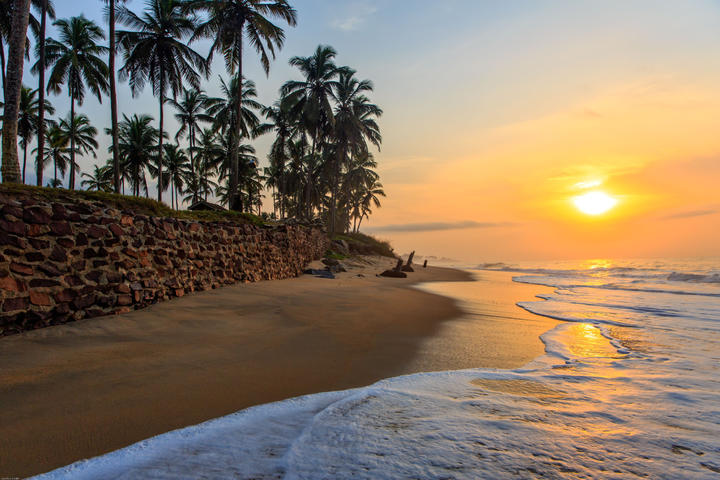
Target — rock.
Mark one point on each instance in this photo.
(37, 215)
(60, 228)
(11, 285)
(393, 274)
(38, 298)
(330, 262)
(21, 269)
(17, 303)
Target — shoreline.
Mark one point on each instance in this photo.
(86, 388)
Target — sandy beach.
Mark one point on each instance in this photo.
(82, 389)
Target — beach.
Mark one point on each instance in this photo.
(83, 389)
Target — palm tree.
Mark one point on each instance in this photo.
(76, 62)
(370, 195)
(80, 135)
(28, 121)
(228, 23)
(154, 52)
(98, 180)
(56, 152)
(209, 153)
(113, 95)
(190, 112)
(176, 169)
(16, 49)
(282, 123)
(355, 126)
(138, 147)
(311, 98)
(224, 114)
(47, 9)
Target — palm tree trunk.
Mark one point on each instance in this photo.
(55, 167)
(24, 160)
(160, 152)
(2, 65)
(16, 49)
(72, 141)
(41, 97)
(235, 200)
(113, 99)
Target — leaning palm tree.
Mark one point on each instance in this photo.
(190, 112)
(228, 24)
(155, 51)
(28, 120)
(98, 180)
(76, 62)
(16, 49)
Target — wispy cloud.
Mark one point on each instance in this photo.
(355, 16)
(437, 226)
(693, 213)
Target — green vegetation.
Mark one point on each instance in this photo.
(137, 205)
(363, 244)
(324, 124)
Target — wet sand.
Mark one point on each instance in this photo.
(79, 390)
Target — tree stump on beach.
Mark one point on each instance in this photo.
(395, 272)
(425, 263)
(408, 265)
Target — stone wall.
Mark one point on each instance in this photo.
(67, 259)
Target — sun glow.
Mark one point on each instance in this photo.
(594, 203)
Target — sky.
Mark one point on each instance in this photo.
(498, 114)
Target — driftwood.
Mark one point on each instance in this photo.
(408, 265)
(425, 264)
(395, 272)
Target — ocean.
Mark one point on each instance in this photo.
(628, 387)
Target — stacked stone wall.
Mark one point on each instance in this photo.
(62, 261)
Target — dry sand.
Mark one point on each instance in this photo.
(86, 388)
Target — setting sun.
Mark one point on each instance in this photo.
(594, 203)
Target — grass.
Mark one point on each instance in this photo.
(366, 244)
(138, 205)
(335, 255)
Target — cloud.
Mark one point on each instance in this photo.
(692, 213)
(438, 226)
(355, 16)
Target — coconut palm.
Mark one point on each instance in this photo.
(47, 9)
(111, 11)
(138, 143)
(155, 51)
(28, 120)
(208, 153)
(177, 166)
(13, 84)
(369, 195)
(76, 62)
(98, 180)
(56, 151)
(355, 126)
(312, 99)
(79, 134)
(190, 112)
(228, 23)
(281, 121)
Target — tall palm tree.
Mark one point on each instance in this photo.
(7, 9)
(16, 49)
(28, 120)
(228, 23)
(224, 113)
(138, 147)
(281, 121)
(177, 166)
(209, 153)
(355, 126)
(47, 9)
(190, 112)
(112, 4)
(76, 61)
(312, 97)
(98, 180)
(155, 52)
